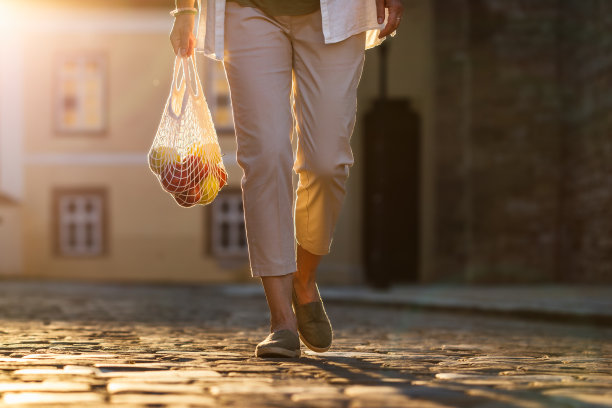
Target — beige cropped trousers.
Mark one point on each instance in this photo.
(266, 58)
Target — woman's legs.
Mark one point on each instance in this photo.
(278, 294)
(261, 56)
(304, 279)
(258, 65)
(325, 81)
(278, 290)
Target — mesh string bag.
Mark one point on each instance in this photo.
(185, 155)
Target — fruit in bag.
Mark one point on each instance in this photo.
(185, 155)
(209, 152)
(221, 175)
(174, 177)
(196, 168)
(190, 197)
(209, 189)
(160, 156)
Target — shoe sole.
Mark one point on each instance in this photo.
(276, 352)
(313, 348)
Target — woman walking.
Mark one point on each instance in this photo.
(313, 49)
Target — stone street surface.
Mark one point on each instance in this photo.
(84, 345)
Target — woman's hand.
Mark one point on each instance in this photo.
(395, 15)
(182, 38)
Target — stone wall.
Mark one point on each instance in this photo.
(586, 75)
(523, 125)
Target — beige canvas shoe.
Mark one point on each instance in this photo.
(314, 326)
(281, 343)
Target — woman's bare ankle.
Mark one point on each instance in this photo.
(284, 325)
(278, 294)
(304, 279)
(305, 290)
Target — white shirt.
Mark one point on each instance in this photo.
(340, 20)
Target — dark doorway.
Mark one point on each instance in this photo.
(391, 189)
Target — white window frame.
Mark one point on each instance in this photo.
(81, 78)
(215, 74)
(72, 238)
(233, 219)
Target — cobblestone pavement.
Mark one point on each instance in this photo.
(84, 345)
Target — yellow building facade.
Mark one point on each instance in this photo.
(82, 95)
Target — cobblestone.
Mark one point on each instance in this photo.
(132, 346)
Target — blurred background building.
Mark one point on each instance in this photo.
(523, 135)
(83, 87)
(513, 101)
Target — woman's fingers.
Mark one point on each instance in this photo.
(181, 37)
(185, 42)
(380, 11)
(395, 14)
(175, 41)
(191, 47)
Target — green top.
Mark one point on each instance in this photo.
(282, 7)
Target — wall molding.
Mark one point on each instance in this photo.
(97, 159)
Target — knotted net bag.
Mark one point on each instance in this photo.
(185, 155)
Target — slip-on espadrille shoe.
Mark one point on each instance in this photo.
(281, 343)
(314, 326)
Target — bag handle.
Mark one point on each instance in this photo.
(178, 67)
(193, 79)
(177, 100)
(185, 85)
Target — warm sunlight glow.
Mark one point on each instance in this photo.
(7, 14)
(13, 16)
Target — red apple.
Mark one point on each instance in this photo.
(174, 177)
(196, 169)
(190, 197)
(221, 175)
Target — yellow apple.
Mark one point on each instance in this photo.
(209, 190)
(160, 156)
(209, 152)
(213, 153)
(196, 149)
